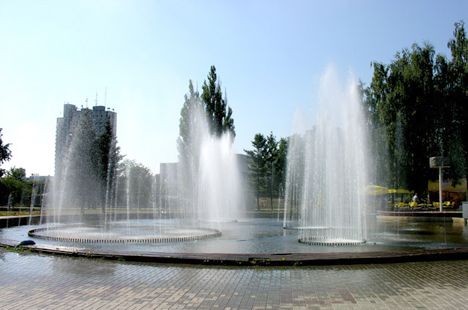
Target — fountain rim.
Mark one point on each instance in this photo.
(208, 233)
(448, 252)
(332, 242)
(243, 260)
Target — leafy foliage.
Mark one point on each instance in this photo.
(218, 112)
(135, 185)
(258, 165)
(186, 142)
(417, 108)
(267, 166)
(15, 186)
(5, 153)
(192, 117)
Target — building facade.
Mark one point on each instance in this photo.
(67, 124)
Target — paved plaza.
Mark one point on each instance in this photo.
(32, 281)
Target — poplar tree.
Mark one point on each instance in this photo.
(218, 112)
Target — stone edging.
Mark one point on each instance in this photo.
(273, 260)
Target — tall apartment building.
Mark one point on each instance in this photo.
(69, 121)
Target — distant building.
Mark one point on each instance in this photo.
(69, 121)
(168, 185)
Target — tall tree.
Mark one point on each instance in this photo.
(5, 153)
(188, 121)
(106, 155)
(417, 107)
(218, 112)
(268, 166)
(137, 182)
(458, 98)
(188, 142)
(280, 165)
(400, 95)
(257, 165)
(271, 158)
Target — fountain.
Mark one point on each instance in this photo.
(214, 178)
(194, 209)
(125, 209)
(328, 170)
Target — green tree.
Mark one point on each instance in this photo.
(15, 185)
(400, 95)
(106, 156)
(416, 109)
(270, 161)
(268, 166)
(280, 165)
(458, 101)
(188, 122)
(210, 106)
(17, 173)
(188, 142)
(137, 182)
(258, 165)
(218, 112)
(5, 153)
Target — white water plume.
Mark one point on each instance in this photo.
(327, 170)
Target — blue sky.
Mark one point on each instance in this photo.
(269, 56)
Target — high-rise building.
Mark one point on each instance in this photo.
(71, 118)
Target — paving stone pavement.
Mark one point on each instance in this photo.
(32, 281)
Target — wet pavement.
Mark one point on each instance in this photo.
(32, 281)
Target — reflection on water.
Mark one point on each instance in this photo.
(267, 236)
(405, 229)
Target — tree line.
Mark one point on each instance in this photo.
(267, 166)
(418, 107)
(15, 188)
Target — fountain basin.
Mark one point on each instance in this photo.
(328, 236)
(265, 242)
(122, 233)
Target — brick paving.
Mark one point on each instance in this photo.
(32, 281)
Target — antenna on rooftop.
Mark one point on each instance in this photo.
(96, 101)
(86, 100)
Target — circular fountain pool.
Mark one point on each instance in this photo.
(123, 232)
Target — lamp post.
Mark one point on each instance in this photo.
(439, 162)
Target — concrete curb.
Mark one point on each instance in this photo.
(274, 260)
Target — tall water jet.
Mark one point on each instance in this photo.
(327, 171)
(218, 186)
(84, 166)
(210, 184)
(100, 200)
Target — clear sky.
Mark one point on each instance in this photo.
(269, 56)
